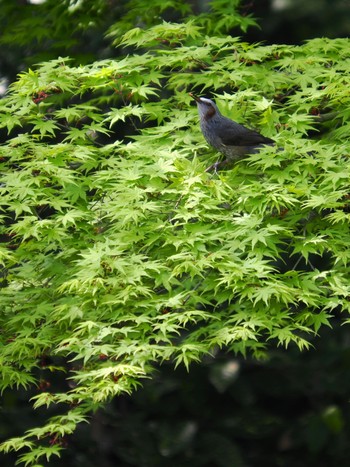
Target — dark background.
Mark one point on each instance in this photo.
(280, 21)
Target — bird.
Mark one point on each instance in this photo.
(230, 138)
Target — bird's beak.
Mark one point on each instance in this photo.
(196, 98)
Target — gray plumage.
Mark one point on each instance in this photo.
(228, 137)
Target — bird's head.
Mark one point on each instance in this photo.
(206, 107)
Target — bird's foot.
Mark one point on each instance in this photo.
(213, 167)
(217, 166)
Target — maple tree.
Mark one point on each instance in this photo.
(120, 251)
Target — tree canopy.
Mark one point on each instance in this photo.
(119, 251)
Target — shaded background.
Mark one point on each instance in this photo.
(31, 30)
(293, 21)
(290, 410)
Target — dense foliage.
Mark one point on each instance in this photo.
(120, 251)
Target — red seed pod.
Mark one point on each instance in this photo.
(40, 96)
(44, 385)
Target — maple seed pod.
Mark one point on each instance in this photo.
(40, 96)
(44, 385)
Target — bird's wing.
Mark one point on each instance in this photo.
(239, 135)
